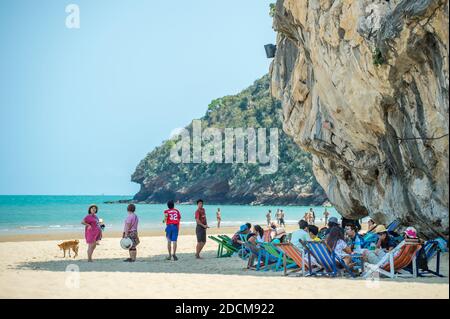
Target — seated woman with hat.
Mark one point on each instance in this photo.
(384, 245)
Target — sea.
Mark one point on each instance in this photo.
(20, 214)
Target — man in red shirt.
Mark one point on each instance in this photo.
(172, 218)
(200, 230)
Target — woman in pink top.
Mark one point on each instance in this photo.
(92, 231)
(130, 231)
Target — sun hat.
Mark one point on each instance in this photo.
(333, 220)
(380, 229)
(126, 243)
(411, 232)
(243, 228)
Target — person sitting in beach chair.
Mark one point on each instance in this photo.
(384, 245)
(354, 240)
(255, 238)
(301, 234)
(335, 241)
(279, 236)
(371, 225)
(394, 263)
(313, 231)
(332, 222)
(236, 239)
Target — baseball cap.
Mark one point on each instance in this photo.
(333, 220)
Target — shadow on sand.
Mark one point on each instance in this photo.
(187, 264)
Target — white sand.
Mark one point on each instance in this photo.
(37, 270)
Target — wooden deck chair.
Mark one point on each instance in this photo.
(267, 235)
(264, 261)
(393, 263)
(295, 254)
(327, 259)
(278, 254)
(224, 249)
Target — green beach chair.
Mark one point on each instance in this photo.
(224, 249)
(278, 254)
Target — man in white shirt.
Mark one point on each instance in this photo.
(301, 234)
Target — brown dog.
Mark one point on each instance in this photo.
(67, 245)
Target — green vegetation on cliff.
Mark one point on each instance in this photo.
(293, 183)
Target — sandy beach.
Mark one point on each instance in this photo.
(37, 270)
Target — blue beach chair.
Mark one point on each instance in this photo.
(326, 258)
(262, 255)
(429, 250)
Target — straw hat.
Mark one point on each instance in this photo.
(380, 229)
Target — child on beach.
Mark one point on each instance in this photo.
(172, 218)
(130, 230)
(92, 231)
(313, 232)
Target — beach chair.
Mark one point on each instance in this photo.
(225, 249)
(244, 251)
(326, 258)
(295, 254)
(265, 261)
(430, 250)
(272, 250)
(393, 263)
(268, 235)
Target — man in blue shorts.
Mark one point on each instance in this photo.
(172, 218)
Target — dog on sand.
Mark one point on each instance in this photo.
(68, 245)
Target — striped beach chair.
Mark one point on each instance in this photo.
(272, 250)
(268, 235)
(326, 258)
(295, 254)
(393, 264)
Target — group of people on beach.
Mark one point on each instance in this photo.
(172, 216)
(344, 238)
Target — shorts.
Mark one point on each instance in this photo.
(201, 234)
(133, 235)
(172, 232)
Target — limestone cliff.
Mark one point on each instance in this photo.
(292, 184)
(364, 88)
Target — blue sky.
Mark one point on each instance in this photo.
(79, 108)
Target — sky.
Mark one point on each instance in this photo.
(79, 108)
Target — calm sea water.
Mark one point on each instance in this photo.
(44, 214)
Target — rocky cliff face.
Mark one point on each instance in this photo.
(364, 88)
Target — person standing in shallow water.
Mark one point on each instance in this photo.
(269, 218)
(218, 217)
(130, 230)
(92, 230)
(325, 216)
(200, 230)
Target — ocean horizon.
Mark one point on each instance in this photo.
(34, 214)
